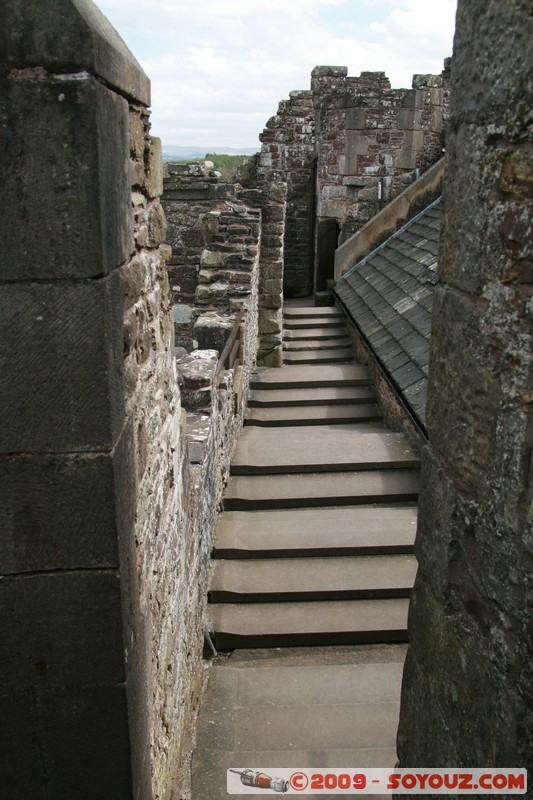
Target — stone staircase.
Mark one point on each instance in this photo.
(319, 338)
(315, 543)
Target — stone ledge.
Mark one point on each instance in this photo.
(70, 35)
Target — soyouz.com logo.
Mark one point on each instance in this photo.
(351, 782)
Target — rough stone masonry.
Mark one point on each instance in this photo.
(345, 148)
(110, 489)
(98, 671)
(468, 683)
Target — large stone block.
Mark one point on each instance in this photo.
(483, 723)
(356, 144)
(458, 409)
(425, 716)
(61, 630)
(85, 743)
(70, 35)
(492, 43)
(65, 744)
(154, 168)
(270, 358)
(355, 118)
(61, 361)
(270, 320)
(57, 512)
(437, 534)
(212, 331)
(20, 748)
(406, 159)
(475, 249)
(65, 169)
(413, 140)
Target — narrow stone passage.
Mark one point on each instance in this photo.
(314, 547)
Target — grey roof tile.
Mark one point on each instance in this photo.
(389, 295)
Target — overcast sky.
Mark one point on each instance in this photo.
(220, 67)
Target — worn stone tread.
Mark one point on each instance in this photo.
(327, 356)
(311, 311)
(361, 729)
(295, 323)
(311, 376)
(315, 344)
(299, 334)
(209, 771)
(291, 579)
(348, 530)
(312, 622)
(313, 415)
(320, 489)
(311, 681)
(317, 396)
(327, 448)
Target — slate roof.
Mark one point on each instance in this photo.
(389, 295)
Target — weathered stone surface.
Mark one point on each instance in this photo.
(470, 620)
(157, 225)
(93, 453)
(182, 313)
(59, 342)
(38, 612)
(58, 155)
(25, 776)
(49, 519)
(94, 757)
(198, 368)
(212, 330)
(359, 142)
(270, 320)
(97, 754)
(153, 181)
(72, 34)
(467, 334)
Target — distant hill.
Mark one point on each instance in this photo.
(185, 152)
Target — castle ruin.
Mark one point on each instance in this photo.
(115, 448)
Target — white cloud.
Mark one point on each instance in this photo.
(220, 67)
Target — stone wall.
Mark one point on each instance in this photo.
(109, 488)
(191, 193)
(467, 693)
(83, 283)
(370, 139)
(345, 149)
(271, 196)
(227, 242)
(287, 155)
(393, 216)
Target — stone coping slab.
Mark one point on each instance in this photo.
(70, 36)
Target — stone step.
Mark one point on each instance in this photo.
(249, 492)
(328, 356)
(315, 344)
(298, 334)
(319, 396)
(334, 706)
(325, 622)
(328, 448)
(311, 311)
(312, 415)
(311, 376)
(305, 323)
(289, 533)
(293, 579)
